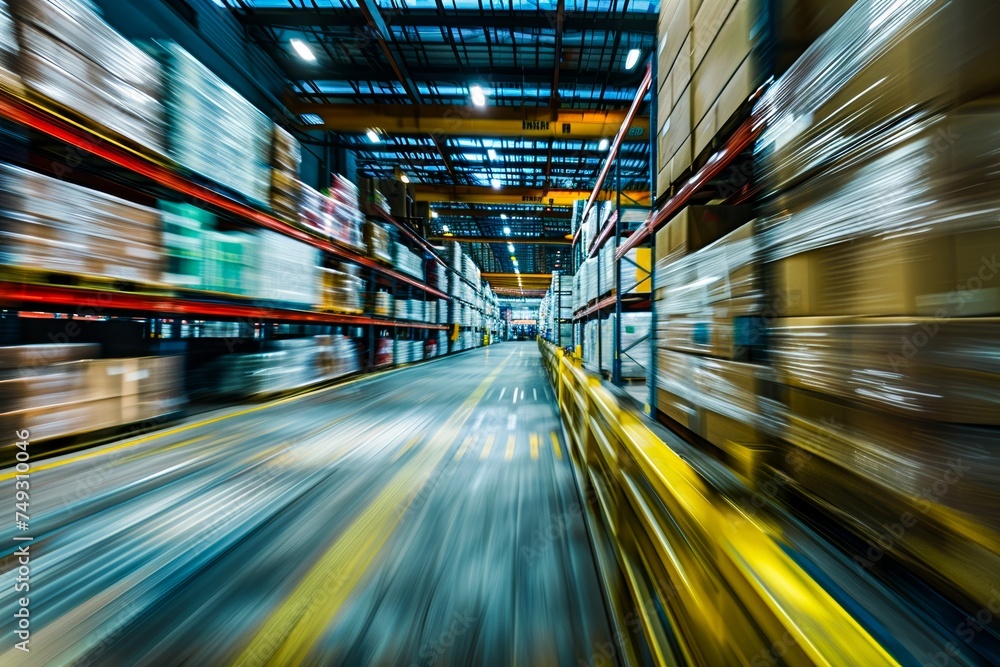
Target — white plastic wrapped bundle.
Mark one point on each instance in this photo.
(50, 225)
(720, 279)
(878, 65)
(8, 51)
(71, 56)
(212, 130)
(945, 370)
(286, 270)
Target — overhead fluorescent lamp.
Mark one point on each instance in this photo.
(303, 50)
(603, 146)
(404, 178)
(478, 96)
(434, 214)
(495, 182)
(510, 247)
(310, 119)
(506, 231)
(492, 153)
(444, 228)
(373, 137)
(503, 216)
(632, 58)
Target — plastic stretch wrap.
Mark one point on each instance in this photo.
(71, 56)
(345, 211)
(50, 225)
(287, 365)
(721, 279)
(341, 289)
(212, 130)
(945, 370)
(286, 152)
(940, 175)
(408, 261)
(8, 51)
(730, 388)
(882, 61)
(377, 241)
(76, 396)
(286, 270)
(947, 464)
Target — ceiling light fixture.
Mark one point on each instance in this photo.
(434, 214)
(444, 228)
(632, 58)
(373, 137)
(303, 50)
(404, 178)
(506, 231)
(510, 247)
(478, 96)
(492, 153)
(603, 146)
(503, 216)
(495, 182)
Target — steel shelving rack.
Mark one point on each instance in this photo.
(157, 171)
(727, 149)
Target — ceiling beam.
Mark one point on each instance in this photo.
(298, 71)
(637, 149)
(547, 214)
(534, 20)
(515, 240)
(476, 194)
(439, 120)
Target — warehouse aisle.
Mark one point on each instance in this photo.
(426, 516)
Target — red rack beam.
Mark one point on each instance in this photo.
(91, 142)
(100, 302)
(413, 236)
(597, 307)
(647, 82)
(742, 138)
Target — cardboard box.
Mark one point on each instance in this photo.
(675, 129)
(894, 276)
(719, 429)
(694, 227)
(672, 28)
(677, 409)
(813, 283)
(727, 51)
(708, 24)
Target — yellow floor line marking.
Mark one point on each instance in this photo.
(465, 446)
(511, 441)
(487, 447)
(405, 448)
(534, 446)
(100, 451)
(555, 445)
(290, 632)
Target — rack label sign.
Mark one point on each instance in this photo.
(540, 125)
(530, 199)
(635, 132)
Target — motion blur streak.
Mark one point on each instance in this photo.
(290, 536)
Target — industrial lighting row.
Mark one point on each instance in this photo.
(476, 93)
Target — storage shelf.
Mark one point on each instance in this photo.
(740, 140)
(104, 302)
(41, 119)
(630, 303)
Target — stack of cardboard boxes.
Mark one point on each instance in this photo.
(9, 80)
(341, 289)
(50, 225)
(711, 57)
(286, 189)
(60, 390)
(70, 56)
(709, 302)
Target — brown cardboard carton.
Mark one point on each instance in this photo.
(728, 50)
(705, 131)
(894, 276)
(694, 227)
(817, 282)
(676, 128)
(718, 429)
(675, 407)
(708, 24)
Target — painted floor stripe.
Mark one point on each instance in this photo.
(487, 447)
(534, 446)
(555, 445)
(511, 441)
(290, 632)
